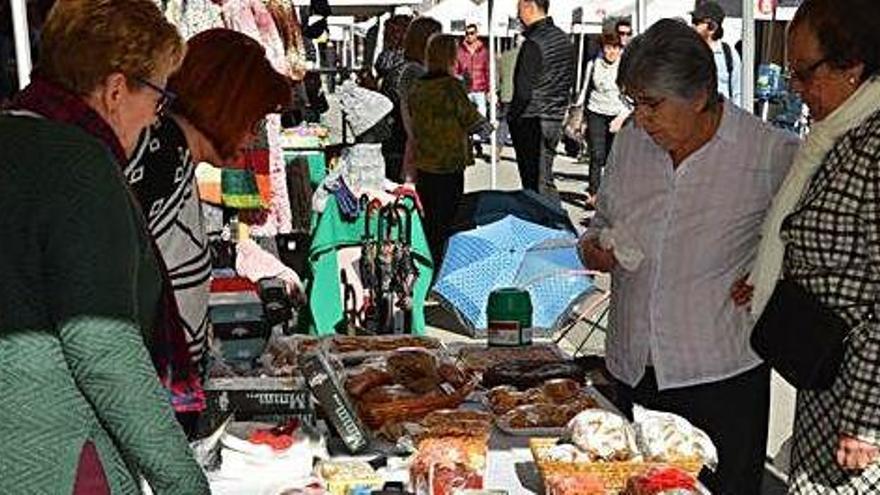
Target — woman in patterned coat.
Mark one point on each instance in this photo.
(823, 231)
(224, 89)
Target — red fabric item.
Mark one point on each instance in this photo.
(476, 64)
(170, 352)
(233, 284)
(255, 160)
(90, 477)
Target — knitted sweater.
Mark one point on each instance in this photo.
(77, 296)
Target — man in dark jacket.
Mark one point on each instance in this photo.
(543, 79)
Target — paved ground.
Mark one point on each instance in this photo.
(571, 181)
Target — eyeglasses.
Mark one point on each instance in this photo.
(165, 97)
(624, 33)
(470, 33)
(805, 74)
(647, 103)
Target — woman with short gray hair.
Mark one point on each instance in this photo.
(686, 186)
(665, 60)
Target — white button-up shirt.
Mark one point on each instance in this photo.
(698, 226)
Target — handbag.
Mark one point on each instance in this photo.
(800, 338)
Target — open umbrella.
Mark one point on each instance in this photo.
(511, 252)
(484, 207)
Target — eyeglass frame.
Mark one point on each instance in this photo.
(471, 33)
(166, 97)
(806, 74)
(634, 103)
(622, 33)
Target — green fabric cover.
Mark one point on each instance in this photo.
(317, 164)
(77, 299)
(332, 233)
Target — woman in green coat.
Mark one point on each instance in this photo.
(83, 302)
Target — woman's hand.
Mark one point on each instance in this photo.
(594, 257)
(742, 291)
(854, 454)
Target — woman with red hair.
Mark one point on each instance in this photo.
(223, 91)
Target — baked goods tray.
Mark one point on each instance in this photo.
(344, 348)
(591, 391)
(480, 357)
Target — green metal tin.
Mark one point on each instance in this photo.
(509, 317)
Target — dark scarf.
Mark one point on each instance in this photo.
(169, 348)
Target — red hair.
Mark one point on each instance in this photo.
(226, 85)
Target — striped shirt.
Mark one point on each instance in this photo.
(162, 176)
(698, 226)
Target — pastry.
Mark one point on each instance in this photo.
(535, 416)
(603, 435)
(361, 380)
(528, 374)
(387, 393)
(415, 369)
(561, 390)
(665, 437)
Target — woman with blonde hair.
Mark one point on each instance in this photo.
(84, 305)
(441, 120)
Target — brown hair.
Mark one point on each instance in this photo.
(226, 85)
(609, 38)
(85, 41)
(394, 31)
(441, 52)
(417, 35)
(848, 31)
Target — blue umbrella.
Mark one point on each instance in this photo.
(511, 252)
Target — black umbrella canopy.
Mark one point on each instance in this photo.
(484, 207)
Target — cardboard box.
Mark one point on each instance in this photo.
(237, 322)
(330, 393)
(269, 400)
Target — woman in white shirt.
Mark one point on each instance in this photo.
(605, 111)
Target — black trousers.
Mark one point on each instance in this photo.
(440, 195)
(535, 141)
(734, 413)
(599, 140)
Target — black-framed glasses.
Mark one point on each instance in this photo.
(165, 97)
(805, 74)
(646, 103)
(624, 33)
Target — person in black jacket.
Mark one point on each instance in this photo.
(543, 79)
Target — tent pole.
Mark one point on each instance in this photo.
(491, 105)
(22, 41)
(748, 56)
(641, 16)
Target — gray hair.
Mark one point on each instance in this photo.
(669, 59)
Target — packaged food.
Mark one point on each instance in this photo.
(479, 358)
(603, 435)
(574, 484)
(503, 400)
(662, 481)
(360, 380)
(561, 390)
(443, 465)
(665, 437)
(342, 477)
(536, 416)
(415, 369)
(528, 374)
(387, 393)
(450, 422)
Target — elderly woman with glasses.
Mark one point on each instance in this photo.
(222, 92)
(677, 220)
(84, 305)
(823, 235)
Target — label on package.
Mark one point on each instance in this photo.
(504, 333)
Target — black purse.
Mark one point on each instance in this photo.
(800, 338)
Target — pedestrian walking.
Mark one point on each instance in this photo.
(543, 80)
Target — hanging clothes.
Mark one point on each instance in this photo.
(252, 17)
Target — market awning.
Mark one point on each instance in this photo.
(363, 7)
